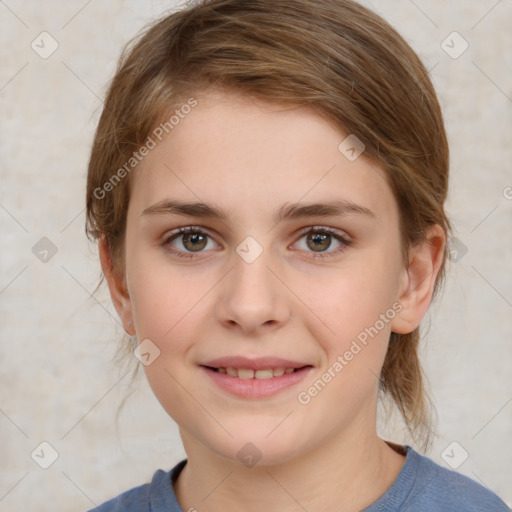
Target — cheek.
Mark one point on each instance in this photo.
(348, 300)
(162, 297)
(356, 311)
(165, 310)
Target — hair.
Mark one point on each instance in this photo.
(335, 56)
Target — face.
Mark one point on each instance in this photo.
(261, 279)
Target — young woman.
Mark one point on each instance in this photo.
(267, 187)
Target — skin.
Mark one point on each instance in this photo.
(251, 157)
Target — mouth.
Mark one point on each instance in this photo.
(249, 373)
(255, 378)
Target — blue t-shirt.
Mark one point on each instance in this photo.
(421, 486)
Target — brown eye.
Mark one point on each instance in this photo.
(189, 240)
(194, 241)
(318, 241)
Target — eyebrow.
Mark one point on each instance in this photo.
(340, 207)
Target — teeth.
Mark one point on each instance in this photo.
(263, 374)
(247, 373)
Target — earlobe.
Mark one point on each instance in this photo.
(117, 287)
(418, 280)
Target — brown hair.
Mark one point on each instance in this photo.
(336, 56)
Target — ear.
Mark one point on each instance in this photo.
(117, 287)
(417, 281)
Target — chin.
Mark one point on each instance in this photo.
(254, 448)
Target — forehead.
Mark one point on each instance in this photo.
(247, 153)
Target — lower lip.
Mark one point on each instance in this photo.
(257, 388)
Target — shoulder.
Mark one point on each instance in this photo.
(141, 498)
(134, 500)
(439, 488)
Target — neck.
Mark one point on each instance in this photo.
(347, 473)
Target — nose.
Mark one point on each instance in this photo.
(252, 299)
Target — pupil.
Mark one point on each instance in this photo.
(320, 241)
(190, 241)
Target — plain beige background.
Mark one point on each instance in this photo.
(59, 382)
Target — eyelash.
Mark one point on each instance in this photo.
(313, 229)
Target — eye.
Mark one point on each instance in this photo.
(189, 240)
(319, 239)
(185, 242)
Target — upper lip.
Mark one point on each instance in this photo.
(256, 363)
